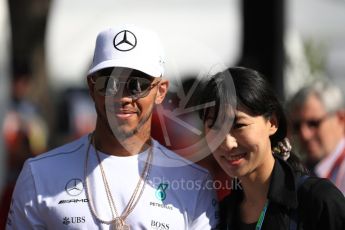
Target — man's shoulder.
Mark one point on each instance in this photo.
(62, 151)
(169, 158)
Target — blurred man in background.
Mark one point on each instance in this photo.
(318, 119)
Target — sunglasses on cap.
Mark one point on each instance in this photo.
(311, 123)
(137, 87)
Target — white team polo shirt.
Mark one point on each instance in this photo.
(50, 191)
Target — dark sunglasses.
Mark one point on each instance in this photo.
(311, 123)
(137, 87)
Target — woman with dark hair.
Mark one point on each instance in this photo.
(275, 191)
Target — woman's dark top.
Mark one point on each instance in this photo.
(317, 204)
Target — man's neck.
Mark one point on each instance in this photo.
(106, 142)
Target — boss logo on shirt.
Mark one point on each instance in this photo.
(73, 220)
(159, 225)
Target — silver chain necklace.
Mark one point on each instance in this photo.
(117, 221)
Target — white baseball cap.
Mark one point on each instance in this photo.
(130, 47)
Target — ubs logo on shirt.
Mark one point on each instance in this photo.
(73, 220)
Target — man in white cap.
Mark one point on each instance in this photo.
(117, 177)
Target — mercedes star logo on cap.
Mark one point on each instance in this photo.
(125, 40)
(74, 187)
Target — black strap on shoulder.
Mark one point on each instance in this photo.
(294, 213)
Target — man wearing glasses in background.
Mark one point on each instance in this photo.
(117, 177)
(317, 114)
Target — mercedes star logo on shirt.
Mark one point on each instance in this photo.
(74, 187)
(125, 40)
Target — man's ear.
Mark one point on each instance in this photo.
(162, 91)
(273, 124)
(91, 88)
(341, 116)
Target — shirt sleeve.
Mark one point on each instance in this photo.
(23, 213)
(206, 211)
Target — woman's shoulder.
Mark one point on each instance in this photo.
(321, 204)
(321, 189)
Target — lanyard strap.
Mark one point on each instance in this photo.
(336, 164)
(262, 216)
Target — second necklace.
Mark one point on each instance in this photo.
(117, 221)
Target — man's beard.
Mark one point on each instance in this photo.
(123, 134)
